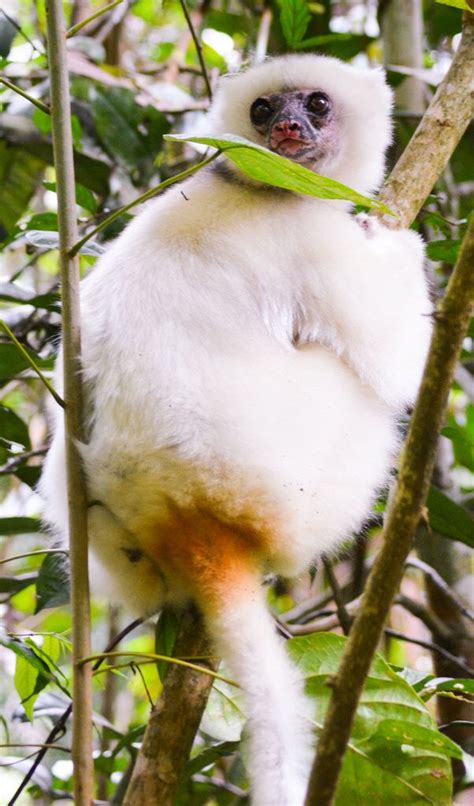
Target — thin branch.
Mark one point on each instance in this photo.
(198, 47)
(345, 619)
(438, 581)
(34, 366)
(75, 28)
(144, 197)
(433, 647)
(20, 30)
(403, 515)
(437, 627)
(172, 659)
(60, 725)
(33, 554)
(74, 426)
(35, 101)
(173, 722)
(435, 139)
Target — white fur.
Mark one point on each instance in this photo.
(195, 387)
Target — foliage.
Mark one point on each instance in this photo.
(135, 77)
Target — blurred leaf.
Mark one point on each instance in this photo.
(28, 684)
(449, 519)
(11, 292)
(7, 35)
(209, 756)
(20, 175)
(15, 584)
(84, 197)
(342, 46)
(223, 718)
(445, 251)
(42, 221)
(165, 635)
(264, 166)
(19, 526)
(462, 4)
(395, 749)
(12, 362)
(53, 585)
(12, 428)
(295, 17)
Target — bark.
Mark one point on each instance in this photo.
(173, 722)
(77, 494)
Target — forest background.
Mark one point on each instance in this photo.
(136, 76)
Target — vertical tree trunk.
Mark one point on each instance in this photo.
(76, 486)
(402, 31)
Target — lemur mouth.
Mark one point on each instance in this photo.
(291, 147)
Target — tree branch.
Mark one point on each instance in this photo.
(413, 482)
(76, 484)
(173, 722)
(435, 139)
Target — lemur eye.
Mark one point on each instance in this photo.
(318, 103)
(260, 111)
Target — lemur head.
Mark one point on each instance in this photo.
(329, 116)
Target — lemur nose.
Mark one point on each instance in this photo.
(287, 126)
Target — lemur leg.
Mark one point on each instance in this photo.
(134, 577)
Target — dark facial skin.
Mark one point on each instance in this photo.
(298, 124)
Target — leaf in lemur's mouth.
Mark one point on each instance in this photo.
(265, 166)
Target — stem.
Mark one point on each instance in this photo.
(25, 95)
(144, 197)
(34, 366)
(404, 513)
(173, 722)
(74, 432)
(75, 28)
(198, 47)
(166, 658)
(33, 554)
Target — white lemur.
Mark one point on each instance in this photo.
(246, 354)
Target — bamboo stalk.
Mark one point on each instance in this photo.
(77, 494)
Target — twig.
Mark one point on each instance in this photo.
(19, 459)
(35, 101)
(173, 722)
(437, 627)
(75, 28)
(433, 647)
(74, 428)
(404, 512)
(438, 581)
(34, 366)
(198, 47)
(171, 659)
(144, 197)
(345, 619)
(58, 728)
(33, 554)
(20, 30)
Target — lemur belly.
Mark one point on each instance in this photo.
(277, 480)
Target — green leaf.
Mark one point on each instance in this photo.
(209, 756)
(12, 362)
(295, 17)
(462, 4)
(12, 428)
(223, 718)
(53, 585)
(165, 636)
(28, 684)
(450, 684)
(445, 251)
(17, 583)
(396, 754)
(19, 526)
(264, 166)
(20, 174)
(449, 519)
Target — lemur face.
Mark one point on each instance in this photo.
(298, 124)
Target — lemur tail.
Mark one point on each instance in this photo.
(279, 751)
